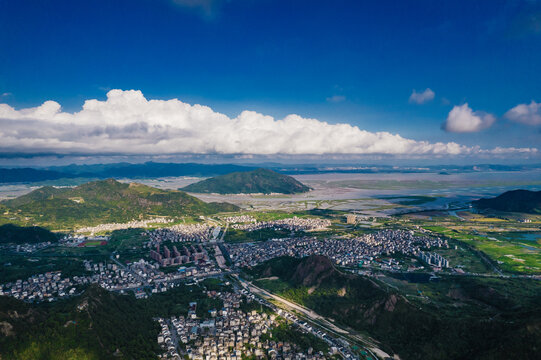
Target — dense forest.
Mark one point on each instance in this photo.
(96, 325)
(10, 233)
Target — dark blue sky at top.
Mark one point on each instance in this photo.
(281, 57)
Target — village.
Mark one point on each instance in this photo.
(361, 250)
(292, 224)
(193, 260)
(140, 277)
(232, 333)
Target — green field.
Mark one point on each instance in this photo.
(511, 256)
(464, 258)
(236, 236)
(91, 243)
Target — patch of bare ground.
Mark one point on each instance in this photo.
(6, 329)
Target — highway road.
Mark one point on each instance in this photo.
(321, 321)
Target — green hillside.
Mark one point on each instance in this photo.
(105, 201)
(456, 318)
(259, 181)
(524, 201)
(95, 325)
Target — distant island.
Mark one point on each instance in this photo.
(524, 201)
(259, 181)
(105, 201)
(75, 173)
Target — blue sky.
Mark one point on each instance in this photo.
(354, 62)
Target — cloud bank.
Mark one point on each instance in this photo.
(423, 97)
(462, 119)
(128, 123)
(528, 114)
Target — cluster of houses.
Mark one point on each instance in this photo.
(229, 333)
(121, 226)
(343, 251)
(336, 345)
(40, 287)
(239, 219)
(292, 224)
(25, 248)
(180, 233)
(141, 277)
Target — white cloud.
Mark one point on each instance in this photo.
(128, 123)
(462, 119)
(526, 114)
(422, 97)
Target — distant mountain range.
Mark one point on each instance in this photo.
(24, 175)
(106, 201)
(259, 181)
(154, 170)
(149, 170)
(117, 171)
(524, 201)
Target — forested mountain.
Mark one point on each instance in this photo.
(107, 201)
(249, 182)
(524, 201)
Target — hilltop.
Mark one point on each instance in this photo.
(447, 324)
(249, 182)
(106, 201)
(524, 201)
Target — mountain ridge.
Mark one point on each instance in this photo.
(520, 200)
(510, 327)
(106, 201)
